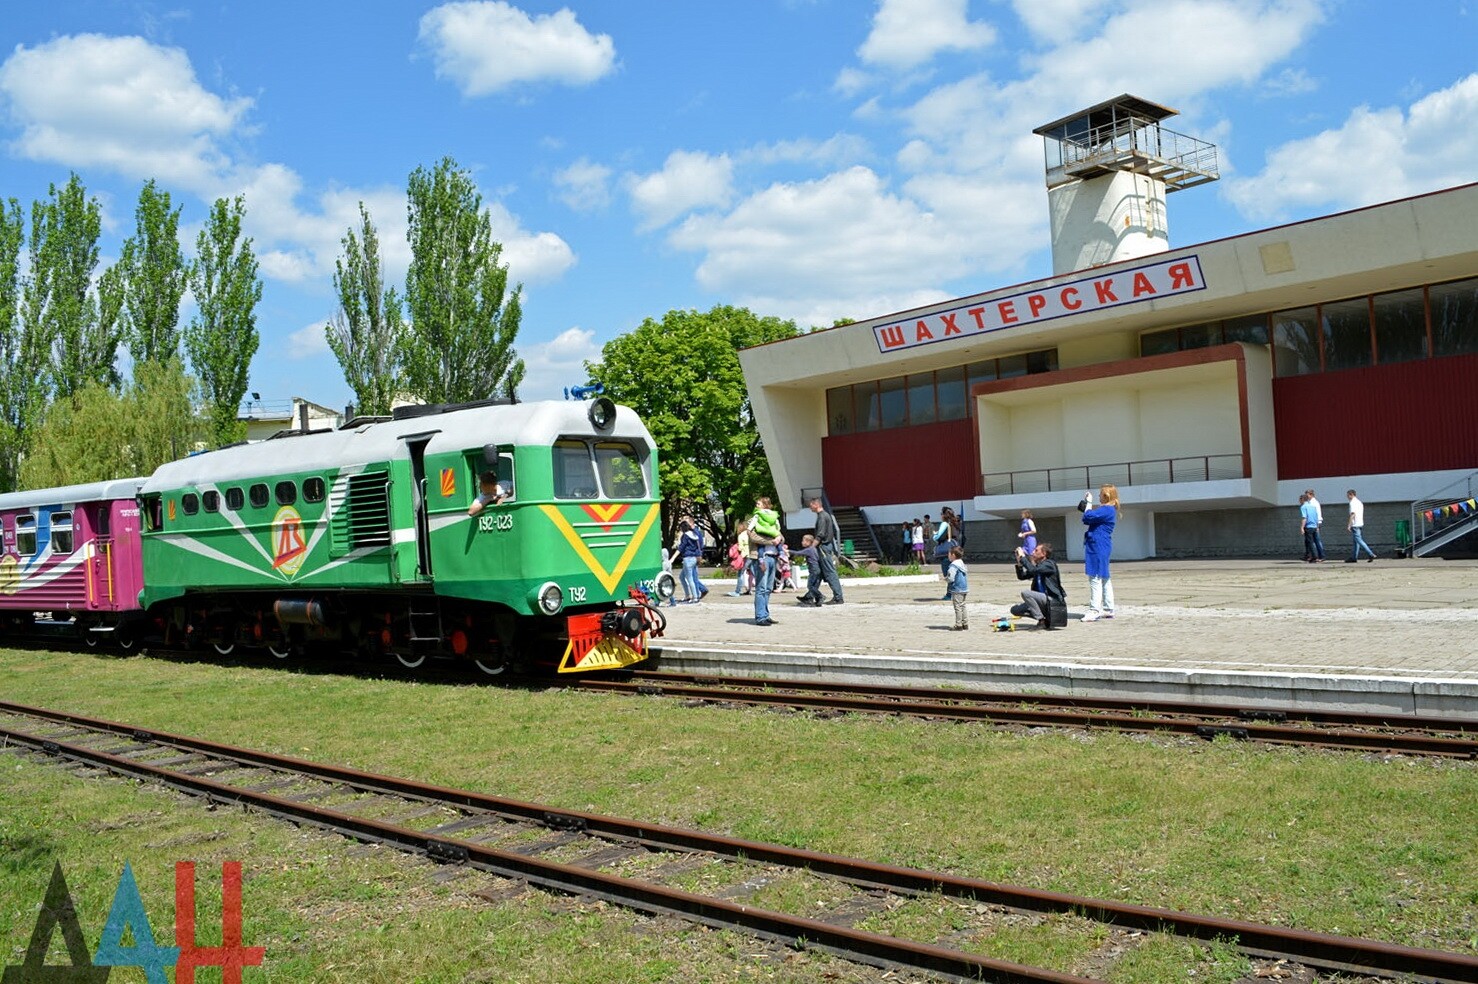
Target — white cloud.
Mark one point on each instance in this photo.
(841, 148)
(1058, 19)
(688, 180)
(848, 246)
(485, 47)
(1376, 155)
(118, 102)
(907, 33)
(1290, 82)
(850, 81)
(556, 364)
(308, 341)
(584, 186)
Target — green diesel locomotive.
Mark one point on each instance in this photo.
(362, 538)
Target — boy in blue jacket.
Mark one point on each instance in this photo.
(958, 579)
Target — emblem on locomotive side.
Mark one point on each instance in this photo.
(287, 534)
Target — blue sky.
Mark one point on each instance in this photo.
(812, 159)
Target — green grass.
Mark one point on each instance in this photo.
(1332, 842)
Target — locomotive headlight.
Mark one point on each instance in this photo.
(666, 586)
(550, 598)
(602, 413)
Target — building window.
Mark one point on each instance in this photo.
(866, 414)
(893, 402)
(1295, 342)
(1454, 313)
(1252, 329)
(839, 410)
(1346, 331)
(921, 408)
(950, 386)
(1159, 342)
(1011, 366)
(1400, 327)
(1201, 336)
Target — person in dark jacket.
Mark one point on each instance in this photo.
(1046, 583)
(828, 536)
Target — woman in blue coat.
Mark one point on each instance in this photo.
(1098, 544)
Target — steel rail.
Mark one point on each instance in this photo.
(1362, 719)
(953, 706)
(1315, 949)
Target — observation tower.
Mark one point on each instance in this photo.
(1109, 168)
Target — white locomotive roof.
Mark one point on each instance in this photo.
(71, 495)
(537, 423)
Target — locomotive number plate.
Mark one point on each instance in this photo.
(498, 521)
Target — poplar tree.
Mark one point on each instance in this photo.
(365, 334)
(222, 337)
(463, 321)
(16, 376)
(59, 303)
(154, 278)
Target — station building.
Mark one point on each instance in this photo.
(1211, 383)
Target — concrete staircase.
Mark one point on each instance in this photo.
(1429, 536)
(855, 527)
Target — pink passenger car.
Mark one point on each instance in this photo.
(71, 555)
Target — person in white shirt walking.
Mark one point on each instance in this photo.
(1355, 524)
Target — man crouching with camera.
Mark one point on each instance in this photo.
(1046, 593)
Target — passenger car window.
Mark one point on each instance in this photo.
(61, 533)
(620, 468)
(25, 535)
(287, 493)
(259, 494)
(574, 472)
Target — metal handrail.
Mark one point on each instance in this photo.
(1157, 471)
(1454, 492)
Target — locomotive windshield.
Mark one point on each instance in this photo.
(606, 469)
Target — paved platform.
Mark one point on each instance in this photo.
(1389, 636)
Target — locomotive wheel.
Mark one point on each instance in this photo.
(282, 650)
(91, 639)
(125, 638)
(410, 660)
(491, 666)
(224, 648)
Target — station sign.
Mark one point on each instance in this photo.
(1107, 290)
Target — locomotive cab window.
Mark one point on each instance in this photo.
(25, 535)
(151, 509)
(61, 533)
(620, 470)
(574, 471)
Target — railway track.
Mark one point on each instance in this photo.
(645, 866)
(1395, 733)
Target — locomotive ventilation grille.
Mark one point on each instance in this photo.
(361, 511)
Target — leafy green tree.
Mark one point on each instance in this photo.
(59, 302)
(154, 278)
(222, 337)
(152, 421)
(16, 375)
(365, 334)
(699, 412)
(463, 320)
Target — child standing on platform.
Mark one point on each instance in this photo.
(958, 579)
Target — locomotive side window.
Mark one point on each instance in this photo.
(25, 535)
(620, 468)
(259, 495)
(61, 532)
(211, 500)
(235, 499)
(151, 508)
(312, 490)
(287, 493)
(190, 502)
(574, 472)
